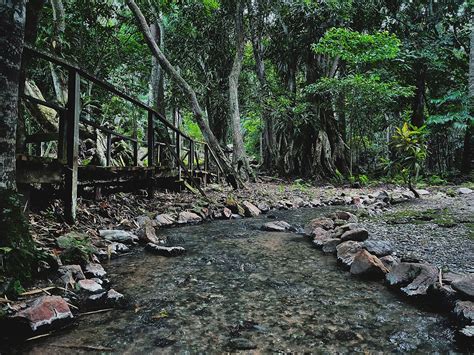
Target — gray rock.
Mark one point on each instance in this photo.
(464, 310)
(357, 234)
(413, 278)
(45, 310)
(423, 192)
(165, 251)
(378, 247)
(468, 331)
(94, 270)
(345, 216)
(147, 233)
(241, 344)
(368, 265)
(339, 231)
(118, 248)
(69, 272)
(164, 220)
(276, 226)
(329, 245)
(188, 217)
(250, 209)
(263, 207)
(464, 191)
(390, 261)
(465, 286)
(347, 251)
(90, 286)
(117, 235)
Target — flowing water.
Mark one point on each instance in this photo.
(239, 287)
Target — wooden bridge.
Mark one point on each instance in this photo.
(193, 162)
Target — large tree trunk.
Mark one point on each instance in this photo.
(268, 142)
(188, 91)
(239, 157)
(59, 19)
(467, 154)
(12, 31)
(418, 118)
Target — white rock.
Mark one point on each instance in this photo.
(117, 235)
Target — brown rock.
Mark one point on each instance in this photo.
(347, 251)
(90, 286)
(320, 236)
(147, 233)
(45, 311)
(250, 209)
(390, 261)
(322, 222)
(414, 278)
(366, 264)
(188, 217)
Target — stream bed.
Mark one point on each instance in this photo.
(239, 288)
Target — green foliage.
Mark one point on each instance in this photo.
(411, 151)
(355, 47)
(18, 255)
(301, 185)
(77, 248)
(191, 127)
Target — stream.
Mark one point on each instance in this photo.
(241, 288)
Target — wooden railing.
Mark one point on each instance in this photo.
(68, 135)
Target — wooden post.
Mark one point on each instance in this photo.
(191, 157)
(62, 137)
(109, 148)
(158, 155)
(178, 153)
(72, 133)
(151, 153)
(135, 152)
(206, 163)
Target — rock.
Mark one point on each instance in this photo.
(339, 231)
(234, 206)
(464, 310)
(330, 244)
(366, 264)
(250, 209)
(117, 235)
(144, 220)
(383, 196)
(465, 286)
(298, 202)
(227, 213)
(321, 222)
(45, 310)
(357, 234)
(422, 192)
(164, 251)
(164, 220)
(320, 236)
(263, 207)
(464, 191)
(94, 270)
(118, 248)
(390, 261)
(188, 217)
(347, 251)
(378, 247)
(276, 226)
(90, 286)
(414, 279)
(316, 202)
(73, 272)
(241, 344)
(345, 216)
(449, 277)
(147, 233)
(468, 332)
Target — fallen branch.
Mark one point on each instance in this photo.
(85, 347)
(39, 336)
(94, 312)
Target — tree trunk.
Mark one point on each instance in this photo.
(59, 19)
(189, 93)
(466, 155)
(12, 31)
(418, 107)
(239, 156)
(268, 142)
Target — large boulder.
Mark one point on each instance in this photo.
(276, 226)
(250, 209)
(329, 245)
(321, 222)
(188, 217)
(164, 220)
(347, 251)
(117, 235)
(414, 279)
(378, 247)
(356, 234)
(164, 251)
(368, 265)
(465, 286)
(44, 311)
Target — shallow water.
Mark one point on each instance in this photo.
(273, 291)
